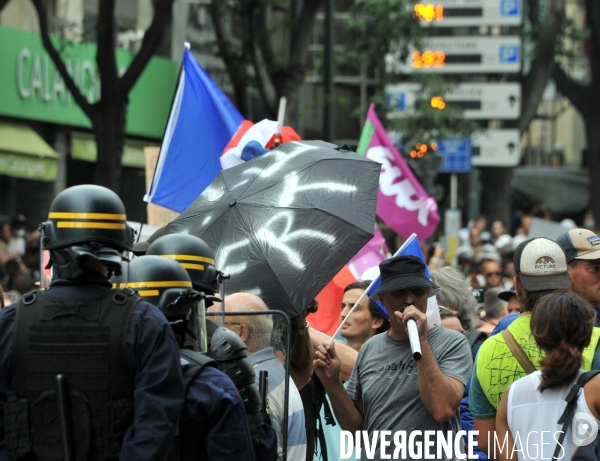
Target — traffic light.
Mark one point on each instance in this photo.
(422, 148)
(428, 59)
(429, 12)
(437, 102)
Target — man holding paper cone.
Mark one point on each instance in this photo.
(388, 389)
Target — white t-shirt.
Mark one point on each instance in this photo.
(533, 419)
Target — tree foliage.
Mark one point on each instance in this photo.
(267, 49)
(388, 28)
(108, 115)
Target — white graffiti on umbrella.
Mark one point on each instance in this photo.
(291, 188)
(223, 255)
(268, 235)
(279, 161)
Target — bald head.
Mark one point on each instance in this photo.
(244, 302)
(255, 330)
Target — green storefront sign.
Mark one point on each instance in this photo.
(24, 154)
(83, 147)
(32, 89)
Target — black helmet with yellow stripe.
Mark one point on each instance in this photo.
(86, 223)
(87, 213)
(162, 282)
(194, 255)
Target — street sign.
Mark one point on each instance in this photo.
(402, 97)
(478, 100)
(456, 155)
(461, 13)
(461, 54)
(496, 148)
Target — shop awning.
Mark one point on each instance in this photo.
(24, 154)
(83, 147)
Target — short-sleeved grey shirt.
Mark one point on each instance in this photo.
(385, 379)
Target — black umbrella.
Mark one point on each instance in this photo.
(283, 224)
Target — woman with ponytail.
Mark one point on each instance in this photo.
(528, 415)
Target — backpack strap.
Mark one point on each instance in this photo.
(475, 335)
(192, 363)
(571, 400)
(517, 351)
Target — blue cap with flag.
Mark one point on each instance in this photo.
(410, 248)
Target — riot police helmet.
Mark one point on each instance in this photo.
(194, 255)
(161, 282)
(86, 223)
(167, 285)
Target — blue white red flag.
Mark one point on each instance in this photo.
(202, 121)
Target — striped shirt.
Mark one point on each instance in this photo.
(265, 359)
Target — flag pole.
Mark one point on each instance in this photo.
(185, 45)
(281, 112)
(365, 293)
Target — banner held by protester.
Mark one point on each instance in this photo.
(402, 203)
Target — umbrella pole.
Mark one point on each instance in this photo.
(366, 292)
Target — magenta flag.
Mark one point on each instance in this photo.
(402, 202)
(373, 253)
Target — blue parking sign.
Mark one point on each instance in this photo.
(456, 155)
(509, 54)
(510, 7)
(396, 99)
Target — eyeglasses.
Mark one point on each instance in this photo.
(497, 274)
(416, 291)
(231, 323)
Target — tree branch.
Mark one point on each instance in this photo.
(236, 67)
(265, 43)
(593, 17)
(541, 68)
(252, 47)
(105, 53)
(151, 42)
(534, 12)
(572, 90)
(296, 69)
(302, 33)
(86, 107)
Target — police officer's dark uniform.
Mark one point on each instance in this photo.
(197, 258)
(116, 351)
(213, 425)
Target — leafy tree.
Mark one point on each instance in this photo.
(255, 53)
(585, 96)
(108, 115)
(387, 29)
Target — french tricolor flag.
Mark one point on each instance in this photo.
(205, 134)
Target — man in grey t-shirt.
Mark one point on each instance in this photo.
(388, 390)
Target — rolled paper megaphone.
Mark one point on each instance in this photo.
(413, 338)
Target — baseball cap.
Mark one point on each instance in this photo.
(579, 244)
(541, 265)
(507, 294)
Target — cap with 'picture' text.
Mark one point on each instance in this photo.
(579, 244)
(541, 265)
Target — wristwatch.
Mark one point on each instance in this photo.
(303, 331)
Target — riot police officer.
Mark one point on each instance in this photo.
(115, 351)
(213, 424)
(197, 258)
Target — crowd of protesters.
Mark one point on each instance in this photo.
(19, 257)
(518, 328)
